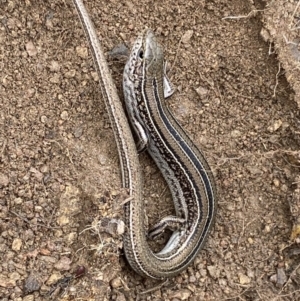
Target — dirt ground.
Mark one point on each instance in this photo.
(60, 176)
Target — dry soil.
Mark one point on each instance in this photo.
(59, 170)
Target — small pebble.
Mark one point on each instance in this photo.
(14, 276)
(18, 201)
(119, 51)
(4, 180)
(28, 298)
(276, 182)
(53, 278)
(116, 283)
(31, 49)
(244, 279)
(32, 283)
(202, 92)
(17, 244)
(63, 264)
(82, 52)
(78, 131)
(182, 294)
(281, 277)
(70, 74)
(192, 279)
(235, 133)
(187, 36)
(264, 33)
(212, 271)
(44, 119)
(7, 282)
(114, 227)
(54, 66)
(64, 115)
(273, 278)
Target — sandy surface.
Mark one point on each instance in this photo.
(60, 175)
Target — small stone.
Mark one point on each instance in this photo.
(78, 131)
(18, 201)
(276, 182)
(281, 277)
(277, 124)
(70, 74)
(44, 252)
(244, 279)
(44, 119)
(114, 227)
(192, 279)
(38, 208)
(70, 238)
(31, 49)
(102, 159)
(44, 169)
(95, 76)
(14, 276)
(250, 273)
(39, 176)
(64, 115)
(273, 278)
(63, 220)
(53, 278)
(119, 52)
(7, 282)
(116, 283)
(182, 294)
(30, 92)
(63, 264)
(4, 180)
(187, 36)
(82, 52)
(48, 259)
(202, 92)
(223, 282)
(32, 283)
(32, 254)
(11, 6)
(120, 227)
(49, 23)
(212, 271)
(44, 289)
(230, 207)
(72, 290)
(70, 204)
(267, 228)
(54, 66)
(264, 33)
(55, 79)
(203, 272)
(16, 245)
(28, 298)
(235, 133)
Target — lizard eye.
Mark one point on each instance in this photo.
(141, 54)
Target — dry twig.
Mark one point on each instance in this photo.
(251, 14)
